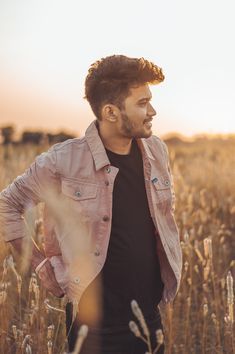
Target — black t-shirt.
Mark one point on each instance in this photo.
(131, 270)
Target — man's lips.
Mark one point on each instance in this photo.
(148, 123)
(148, 120)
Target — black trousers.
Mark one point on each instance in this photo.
(118, 340)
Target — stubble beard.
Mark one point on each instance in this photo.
(128, 129)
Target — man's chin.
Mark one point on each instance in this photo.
(147, 134)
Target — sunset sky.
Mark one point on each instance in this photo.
(47, 46)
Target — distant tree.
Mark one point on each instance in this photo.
(7, 134)
(32, 137)
(174, 140)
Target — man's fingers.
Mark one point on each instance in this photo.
(48, 279)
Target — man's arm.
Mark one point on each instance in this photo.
(27, 191)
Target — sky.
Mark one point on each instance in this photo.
(46, 48)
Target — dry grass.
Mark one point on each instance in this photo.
(201, 319)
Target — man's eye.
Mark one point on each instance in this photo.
(143, 103)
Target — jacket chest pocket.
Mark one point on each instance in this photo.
(79, 190)
(162, 189)
(81, 195)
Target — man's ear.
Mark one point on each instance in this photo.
(110, 112)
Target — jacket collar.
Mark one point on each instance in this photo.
(142, 143)
(98, 150)
(96, 146)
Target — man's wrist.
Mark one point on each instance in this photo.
(40, 265)
(37, 257)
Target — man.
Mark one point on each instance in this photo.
(110, 233)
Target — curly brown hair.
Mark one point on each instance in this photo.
(109, 80)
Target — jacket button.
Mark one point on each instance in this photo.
(108, 169)
(77, 280)
(78, 194)
(105, 218)
(167, 182)
(97, 253)
(106, 183)
(154, 180)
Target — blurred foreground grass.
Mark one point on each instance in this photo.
(201, 319)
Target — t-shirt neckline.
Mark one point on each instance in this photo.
(133, 144)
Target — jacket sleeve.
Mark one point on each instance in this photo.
(25, 192)
(171, 176)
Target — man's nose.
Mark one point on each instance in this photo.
(151, 110)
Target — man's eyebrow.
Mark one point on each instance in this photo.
(145, 99)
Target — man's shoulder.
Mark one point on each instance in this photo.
(155, 139)
(68, 144)
(155, 143)
(65, 150)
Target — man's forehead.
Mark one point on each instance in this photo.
(140, 92)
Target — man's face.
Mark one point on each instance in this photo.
(137, 114)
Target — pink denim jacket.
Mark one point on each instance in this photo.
(75, 181)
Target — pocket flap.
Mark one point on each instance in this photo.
(162, 182)
(79, 190)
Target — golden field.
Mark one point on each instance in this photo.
(201, 319)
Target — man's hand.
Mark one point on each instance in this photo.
(46, 272)
(47, 277)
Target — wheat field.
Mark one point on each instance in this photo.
(201, 319)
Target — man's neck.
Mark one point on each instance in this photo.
(119, 145)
